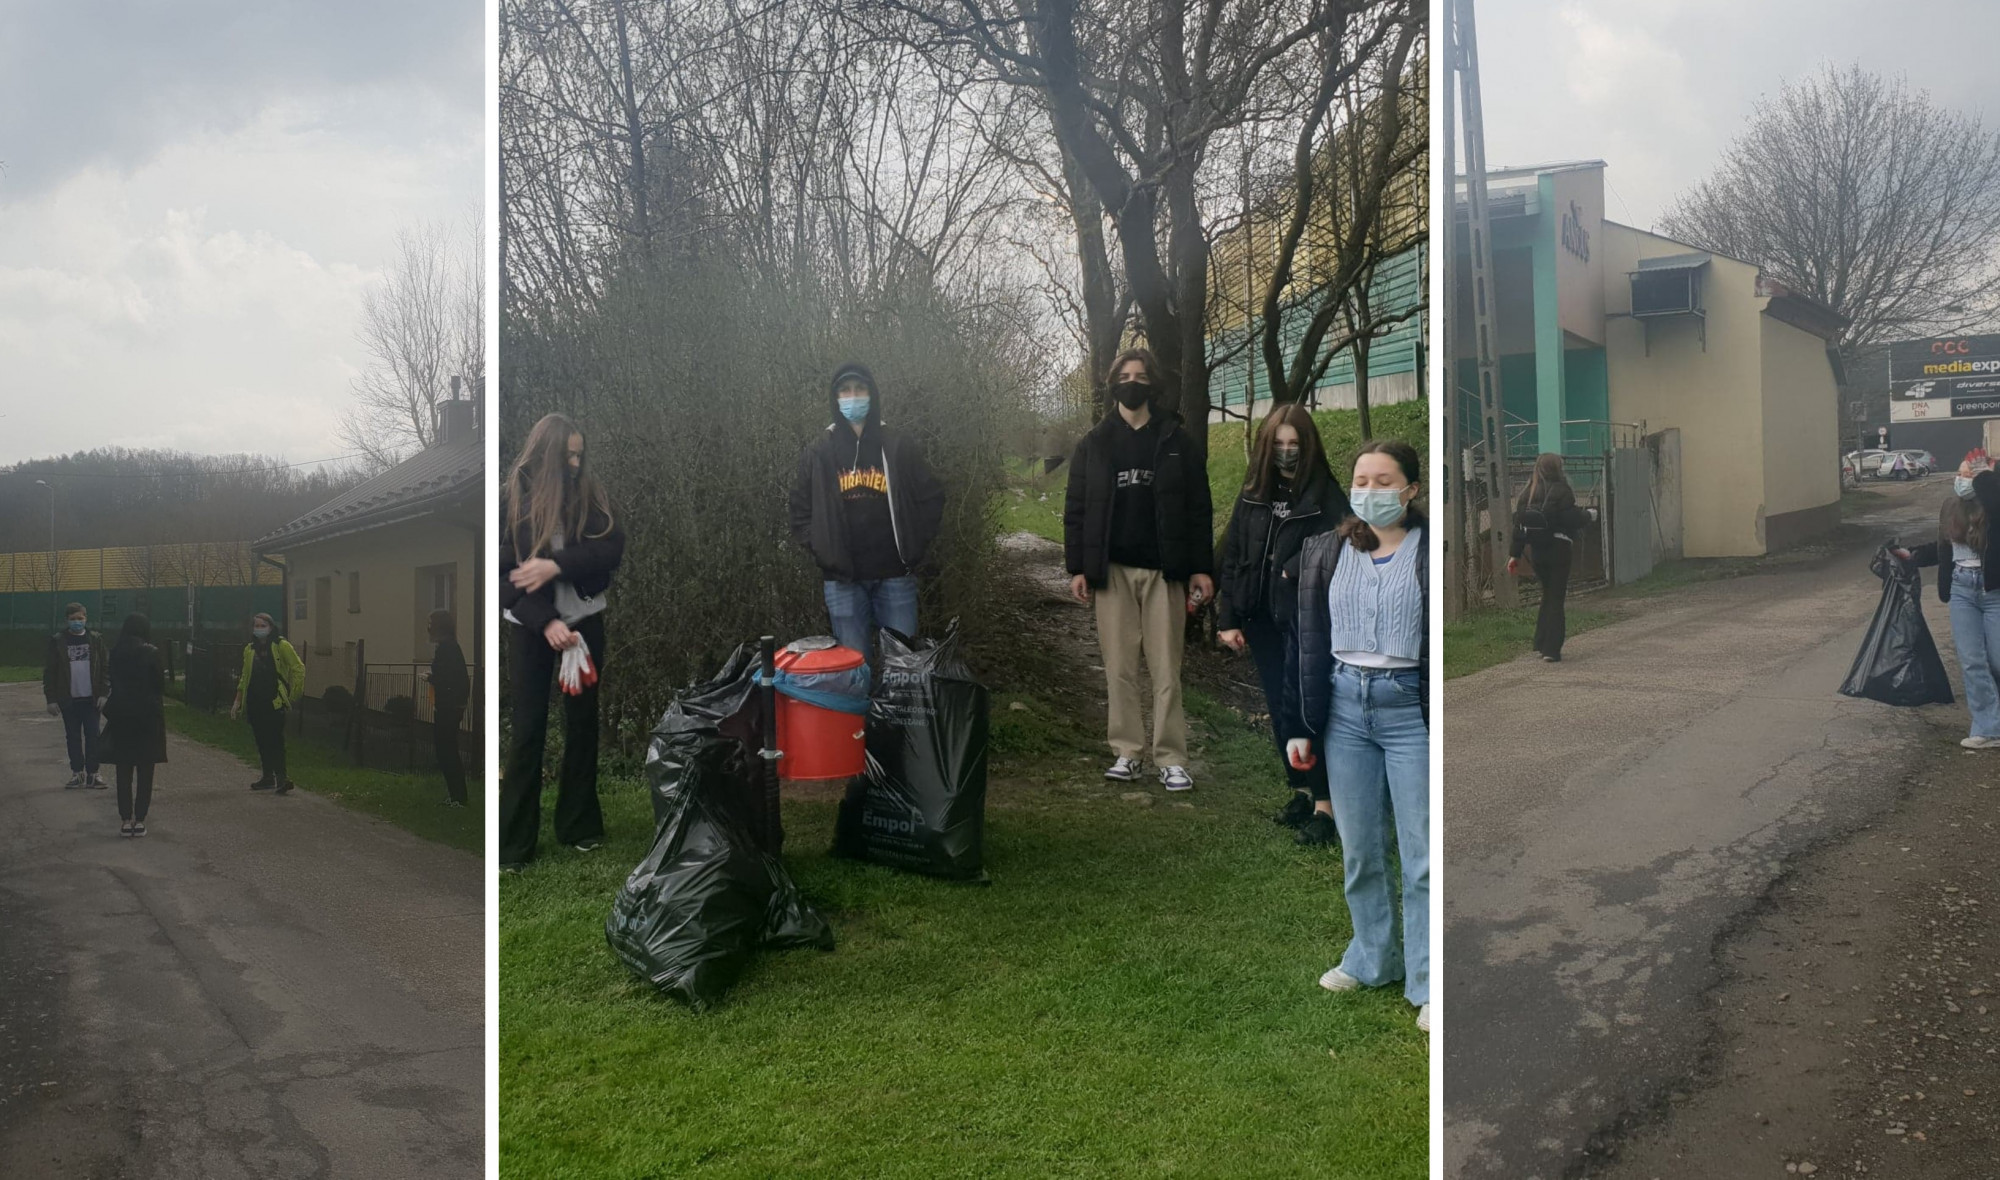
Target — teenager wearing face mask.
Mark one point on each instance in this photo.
(1290, 497)
(74, 679)
(1139, 539)
(1967, 554)
(559, 545)
(865, 506)
(1546, 521)
(273, 677)
(1358, 676)
(135, 732)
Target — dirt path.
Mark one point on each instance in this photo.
(260, 987)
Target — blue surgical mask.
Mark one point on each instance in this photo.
(1962, 486)
(854, 407)
(76, 626)
(1380, 507)
(261, 632)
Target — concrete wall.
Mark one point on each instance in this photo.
(1713, 396)
(1801, 435)
(391, 617)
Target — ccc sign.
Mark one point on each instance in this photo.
(1951, 348)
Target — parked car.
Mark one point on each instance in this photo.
(1866, 462)
(1922, 460)
(1899, 465)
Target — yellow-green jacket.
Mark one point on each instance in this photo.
(291, 672)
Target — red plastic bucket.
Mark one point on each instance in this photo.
(819, 745)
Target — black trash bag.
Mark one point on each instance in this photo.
(706, 896)
(921, 805)
(1898, 663)
(726, 705)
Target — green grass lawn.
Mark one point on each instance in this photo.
(1134, 995)
(1033, 501)
(413, 802)
(17, 674)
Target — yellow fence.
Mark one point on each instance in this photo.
(139, 567)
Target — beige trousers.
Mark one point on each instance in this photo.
(1140, 612)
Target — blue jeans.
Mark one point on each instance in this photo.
(857, 608)
(1975, 632)
(1378, 761)
(80, 731)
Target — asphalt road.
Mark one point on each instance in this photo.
(1609, 819)
(260, 987)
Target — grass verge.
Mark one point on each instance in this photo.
(1133, 995)
(19, 674)
(413, 802)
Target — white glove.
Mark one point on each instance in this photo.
(577, 671)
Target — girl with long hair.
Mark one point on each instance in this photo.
(1968, 561)
(1358, 676)
(559, 544)
(1546, 520)
(135, 733)
(273, 677)
(1289, 496)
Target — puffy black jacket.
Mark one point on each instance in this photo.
(587, 565)
(1185, 515)
(1554, 506)
(135, 717)
(1309, 650)
(1986, 490)
(1255, 543)
(916, 498)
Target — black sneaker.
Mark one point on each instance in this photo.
(1318, 830)
(138, 829)
(285, 788)
(97, 782)
(262, 784)
(1297, 810)
(78, 779)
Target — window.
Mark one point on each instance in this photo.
(301, 593)
(436, 589)
(323, 610)
(354, 593)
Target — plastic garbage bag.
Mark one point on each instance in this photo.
(727, 705)
(921, 805)
(844, 691)
(1898, 663)
(706, 897)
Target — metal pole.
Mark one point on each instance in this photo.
(1459, 565)
(1485, 338)
(773, 835)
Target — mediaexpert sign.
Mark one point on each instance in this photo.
(1944, 377)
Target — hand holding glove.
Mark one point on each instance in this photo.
(577, 671)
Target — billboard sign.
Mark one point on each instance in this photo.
(1944, 377)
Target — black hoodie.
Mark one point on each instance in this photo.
(865, 506)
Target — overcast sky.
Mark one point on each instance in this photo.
(1658, 89)
(193, 198)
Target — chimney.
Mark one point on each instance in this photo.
(457, 421)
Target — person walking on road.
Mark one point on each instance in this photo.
(1967, 554)
(74, 679)
(135, 716)
(865, 505)
(559, 545)
(1546, 521)
(273, 677)
(1290, 497)
(1139, 541)
(451, 692)
(1359, 676)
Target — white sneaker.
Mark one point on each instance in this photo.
(1123, 770)
(1176, 778)
(1979, 743)
(1336, 980)
(1424, 1018)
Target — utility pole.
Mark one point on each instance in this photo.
(1492, 441)
(55, 559)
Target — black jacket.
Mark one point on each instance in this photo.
(1556, 504)
(587, 564)
(1986, 490)
(135, 717)
(818, 519)
(1181, 503)
(1309, 649)
(55, 667)
(450, 683)
(1252, 546)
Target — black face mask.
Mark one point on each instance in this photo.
(1131, 394)
(1287, 459)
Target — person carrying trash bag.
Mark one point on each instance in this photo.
(1901, 662)
(559, 546)
(865, 505)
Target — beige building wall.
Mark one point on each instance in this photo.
(1712, 396)
(378, 587)
(1801, 422)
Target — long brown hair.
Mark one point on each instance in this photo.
(1355, 529)
(553, 505)
(1264, 463)
(1548, 472)
(1964, 521)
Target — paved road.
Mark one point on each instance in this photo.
(1608, 818)
(260, 987)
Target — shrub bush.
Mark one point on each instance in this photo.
(337, 699)
(401, 710)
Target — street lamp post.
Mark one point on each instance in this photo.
(55, 560)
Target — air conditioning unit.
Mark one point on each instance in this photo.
(1670, 288)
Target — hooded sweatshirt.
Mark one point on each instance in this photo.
(864, 487)
(865, 506)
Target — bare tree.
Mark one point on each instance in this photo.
(1865, 195)
(423, 325)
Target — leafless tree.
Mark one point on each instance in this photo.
(424, 324)
(1866, 195)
